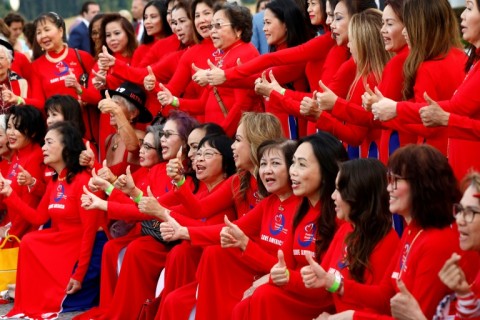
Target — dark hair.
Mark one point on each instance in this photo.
(356, 6)
(397, 7)
(72, 147)
(185, 5)
(12, 17)
(427, 42)
(210, 128)
(193, 8)
(288, 12)
(329, 152)
(69, 108)
(224, 145)
(5, 30)
(285, 147)
(472, 51)
(362, 183)
(155, 130)
(54, 18)
(126, 26)
(239, 17)
(87, 4)
(29, 32)
(162, 10)
(29, 121)
(94, 48)
(257, 6)
(433, 187)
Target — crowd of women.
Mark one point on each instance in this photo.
(190, 177)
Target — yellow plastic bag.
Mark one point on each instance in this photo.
(8, 263)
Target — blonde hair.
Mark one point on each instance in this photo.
(259, 127)
(364, 32)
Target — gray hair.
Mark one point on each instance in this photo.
(3, 122)
(155, 130)
(130, 106)
(7, 52)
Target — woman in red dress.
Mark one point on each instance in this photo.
(360, 248)
(44, 277)
(313, 172)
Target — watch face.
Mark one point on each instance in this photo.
(15, 4)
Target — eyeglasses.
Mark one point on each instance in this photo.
(468, 214)
(218, 25)
(147, 147)
(207, 154)
(392, 179)
(167, 134)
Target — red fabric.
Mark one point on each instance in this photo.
(43, 274)
(179, 304)
(236, 101)
(292, 301)
(427, 254)
(22, 66)
(161, 48)
(334, 258)
(31, 159)
(451, 70)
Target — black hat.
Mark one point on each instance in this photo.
(135, 95)
(7, 45)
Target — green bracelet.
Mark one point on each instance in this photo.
(336, 283)
(179, 183)
(282, 92)
(138, 198)
(20, 101)
(175, 102)
(109, 190)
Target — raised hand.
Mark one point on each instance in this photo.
(313, 275)
(8, 96)
(264, 88)
(175, 167)
(150, 80)
(231, 236)
(99, 80)
(171, 230)
(125, 182)
(433, 115)
(368, 98)
(87, 157)
(279, 272)
(90, 201)
(165, 97)
(453, 276)
(24, 178)
(105, 59)
(200, 75)
(71, 80)
(309, 107)
(97, 183)
(404, 306)
(385, 109)
(105, 173)
(5, 186)
(327, 98)
(216, 76)
(149, 205)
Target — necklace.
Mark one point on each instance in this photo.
(405, 255)
(222, 58)
(60, 58)
(115, 143)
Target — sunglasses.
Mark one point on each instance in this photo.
(167, 134)
(218, 25)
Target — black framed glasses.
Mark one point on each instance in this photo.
(468, 214)
(207, 154)
(218, 25)
(167, 134)
(392, 179)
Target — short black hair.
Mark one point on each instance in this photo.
(86, 5)
(69, 108)
(12, 17)
(29, 121)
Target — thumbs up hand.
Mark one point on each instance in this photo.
(105, 173)
(150, 80)
(404, 305)
(87, 157)
(5, 186)
(105, 59)
(8, 96)
(24, 178)
(433, 115)
(279, 272)
(216, 76)
(231, 236)
(200, 75)
(327, 98)
(164, 96)
(149, 205)
(385, 109)
(99, 80)
(309, 107)
(97, 183)
(175, 167)
(71, 80)
(313, 275)
(90, 201)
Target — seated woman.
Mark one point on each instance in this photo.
(125, 105)
(360, 248)
(422, 189)
(45, 276)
